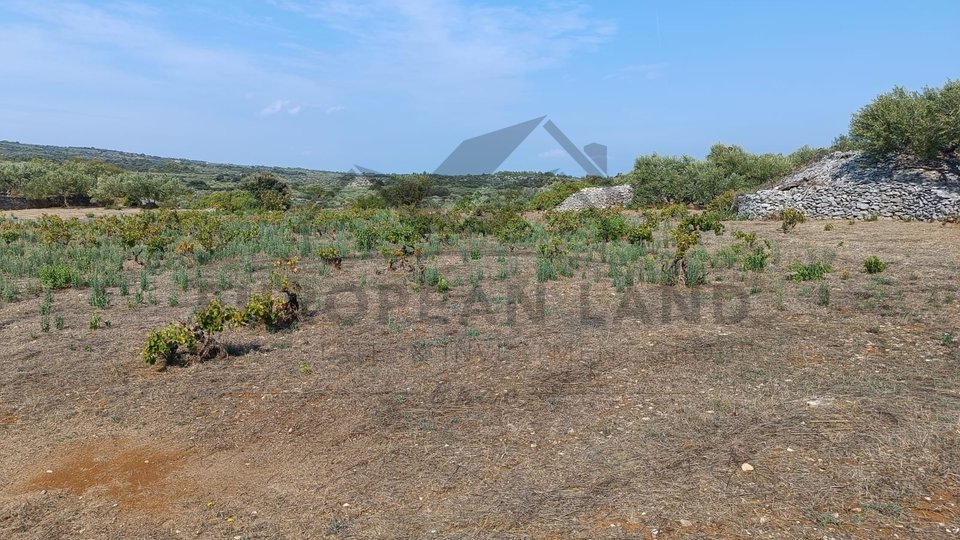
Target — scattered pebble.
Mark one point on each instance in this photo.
(746, 467)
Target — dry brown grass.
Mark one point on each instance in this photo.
(404, 427)
(67, 213)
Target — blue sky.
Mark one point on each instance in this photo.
(396, 85)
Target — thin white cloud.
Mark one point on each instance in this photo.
(279, 106)
(447, 43)
(273, 108)
(73, 43)
(335, 109)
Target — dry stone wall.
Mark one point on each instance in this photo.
(598, 197)
(846, 185)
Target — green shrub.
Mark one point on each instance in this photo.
(552, 249)
(660, 179)
(137, 189)
(57, 276)
(510, 228)
(696, 267)
(546, 271)
(724, 257)
(805, 155)
(163, 344)
(185, 343)
(702, 222)
(754, 169)
(722, 204)
(404, 190)
(815, 271)
(270, 192)
(215, 316)
(639, 234)
(823, 295)
(98, 293)
(873, 265)
(371, 201)
(668, 179)
(235, 200)
(442, 285)
(562, 222)
(64, 181)
(845, 143)
(753, 255)
(274, 312)
(330, 255)
(609, 223)
(791, 218)
(921, 124)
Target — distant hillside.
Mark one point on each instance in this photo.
(204, 175)
(209, 172)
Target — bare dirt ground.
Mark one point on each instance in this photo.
(390, 414)
(67, 213)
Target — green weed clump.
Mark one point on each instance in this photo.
(873, 265)
(331, 256)
(753, 254)
(815, 271)
(442, 285)
(275, 312)
(58, 276)
(215, 317)
(639, 234)
(791, 218)
(169, 343)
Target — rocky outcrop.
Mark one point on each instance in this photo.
(846, 185)
(598, 197)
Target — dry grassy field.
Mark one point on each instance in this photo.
(751, 406)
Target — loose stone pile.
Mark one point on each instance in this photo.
(598, 197)
(846, 185)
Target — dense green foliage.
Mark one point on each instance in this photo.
(556, 194)
(404, 190)
(660, 179)
(922, 124)
(813, 271)
(234, 200)
(76, 181)
(270, 192)
(137, 189)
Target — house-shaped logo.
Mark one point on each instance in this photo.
(485, 153)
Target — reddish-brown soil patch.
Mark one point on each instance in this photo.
(134, 475)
